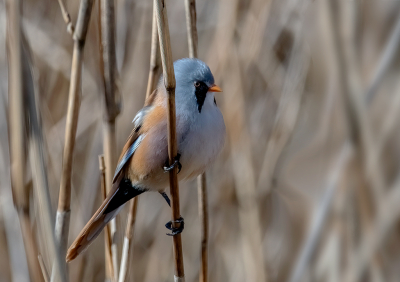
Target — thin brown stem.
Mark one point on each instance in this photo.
(64, 202)
(169, 81)
(16, 106)
(31, 249)
(38, 165)
(66, 17)
(359, 125)
(190, 8)
(360, 131)
(128, 240)
(109, 146)
(17, 87)
(108, 64)
(386, 59)
(107, 238)
(154, 57)
(203, 214)
(321, 213)
(386, 217)
(43, 268)
(108, 60)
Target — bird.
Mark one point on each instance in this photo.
(143, 163)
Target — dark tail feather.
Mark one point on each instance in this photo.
(121, 192)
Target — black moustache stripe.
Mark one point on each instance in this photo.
(201, 92)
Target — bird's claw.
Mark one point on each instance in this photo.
(175, 231)
(165, 196)
(176, 163)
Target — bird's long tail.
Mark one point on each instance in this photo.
(121, 192)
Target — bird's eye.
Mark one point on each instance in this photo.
(197, 84)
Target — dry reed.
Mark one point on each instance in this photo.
(128, 244)
(154, 57)
(107, 233)
(112, 107)
(203, 215)
(169, 81)
(243, 172)
(64, 202)
(320, 215)
(130, 225)
(45, 273)
(359, 122)
(18, 91)
(287, 125)
(38, 165)
(66, 17)
(191, 18)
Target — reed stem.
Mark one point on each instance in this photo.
(203, 214)
(128, 240)
(18, 140)
(66, 17)
(39, 171)
(64, 202)
(108, 64)
(154, 57)
(190, 8)
(43, 268)
(107, 234)
(169, 81)
(130, 226)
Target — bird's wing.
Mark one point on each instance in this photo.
(136, 136)
(121, 191)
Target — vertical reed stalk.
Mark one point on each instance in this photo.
(128, 240)
(107, 239)
(43, 268)
(154, 56)
(17, 135)
(38, 166)
(30, 245)
(112, 107)
(359, 124)
(374, 237)
(66, 17)
(64, 202)
(128, 244)
(190, 8)
(319, 218)
(169, 81)
(109, 145)
(385, 61)
(203, 214)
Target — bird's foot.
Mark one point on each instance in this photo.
(178, 230)
(176, 163)
(166, 198)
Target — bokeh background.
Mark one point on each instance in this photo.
(306, 187)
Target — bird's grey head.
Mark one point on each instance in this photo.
(193, 81)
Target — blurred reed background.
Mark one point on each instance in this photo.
(307, 187)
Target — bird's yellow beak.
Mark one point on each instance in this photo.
(214, 88)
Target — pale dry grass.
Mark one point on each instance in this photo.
(306, 188)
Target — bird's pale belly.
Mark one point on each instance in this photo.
(202, 144)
